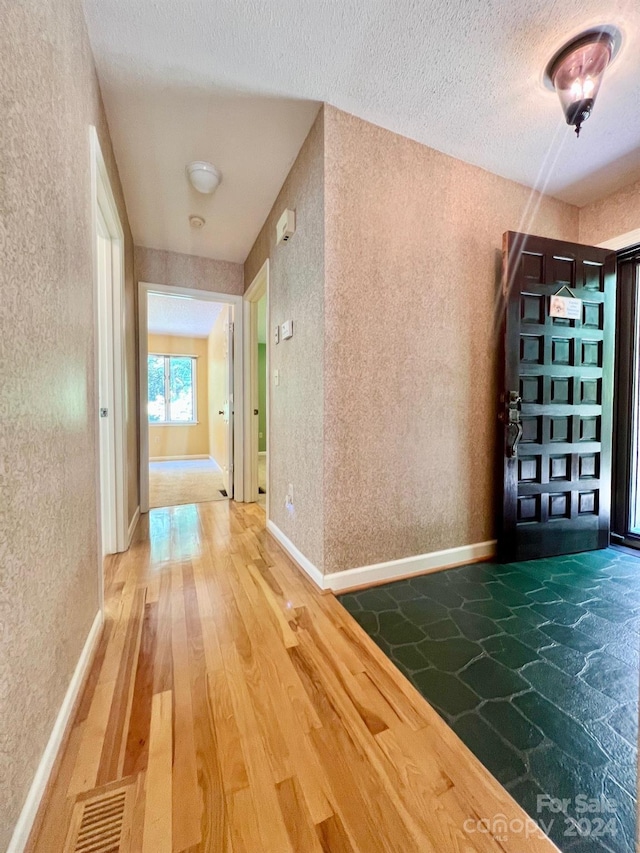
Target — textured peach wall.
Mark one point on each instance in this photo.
(156, 266)
(296, 292)
(613, 216)
(412, 257)
(49, 97)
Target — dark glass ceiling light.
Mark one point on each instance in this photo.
(576, 72)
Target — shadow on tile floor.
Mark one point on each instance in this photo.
(535, 666)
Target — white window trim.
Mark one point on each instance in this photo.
(167, 356)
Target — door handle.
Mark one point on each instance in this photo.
(514, 434)
(511, 416)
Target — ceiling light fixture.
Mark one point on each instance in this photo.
(576, 71)
(196, 221)
(203, 176)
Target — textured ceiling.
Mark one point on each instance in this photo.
(181, 81)
(176, 315)
(158, 129)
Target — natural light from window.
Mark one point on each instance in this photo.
(171, 387)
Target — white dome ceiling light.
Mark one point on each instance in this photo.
(203, 176)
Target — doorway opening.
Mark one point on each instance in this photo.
(256, 312)
(188, 383)
(110, 361)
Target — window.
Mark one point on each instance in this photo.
(172, 389)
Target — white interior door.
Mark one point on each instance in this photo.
(105, 387)
(228, 405)
(256, 328)
(252, 394)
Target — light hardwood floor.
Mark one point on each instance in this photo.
(239, 709)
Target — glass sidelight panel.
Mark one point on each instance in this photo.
(634, 403)
(626, 481)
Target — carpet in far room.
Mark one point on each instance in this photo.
(184, 481)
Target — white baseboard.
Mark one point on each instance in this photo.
(314, 573)
(178, 458)
(215, 462)
(133, 525)
(408, 566)
(378, 573)
(29, 811)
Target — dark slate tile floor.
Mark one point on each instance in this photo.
(535, 666)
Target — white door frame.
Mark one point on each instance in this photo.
(258, 288)
(109, 322)
(622, 241)
(144, 288)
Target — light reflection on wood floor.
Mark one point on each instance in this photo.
(242, 710)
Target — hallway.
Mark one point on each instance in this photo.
(232, 707)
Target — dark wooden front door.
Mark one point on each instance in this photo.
(556, 404)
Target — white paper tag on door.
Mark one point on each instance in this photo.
(565, 307)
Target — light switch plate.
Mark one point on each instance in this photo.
(287, 330)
